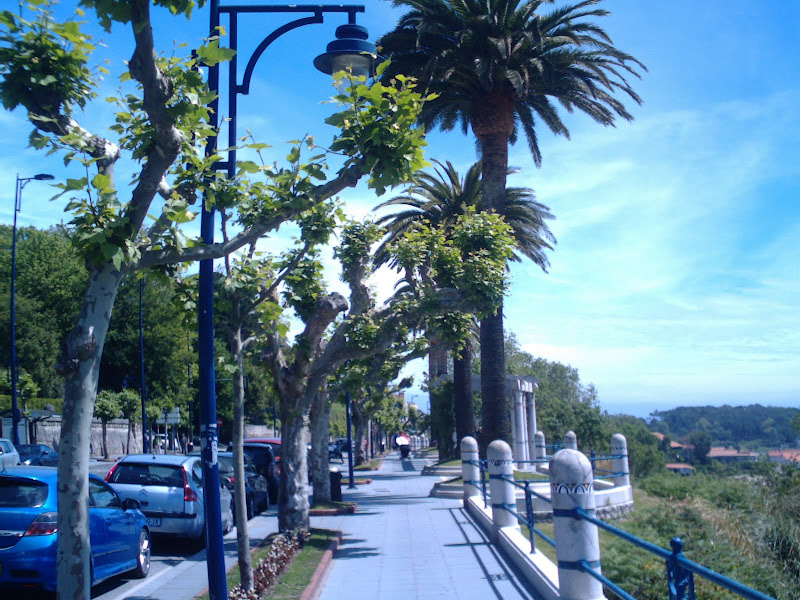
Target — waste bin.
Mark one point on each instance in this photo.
(336, 485)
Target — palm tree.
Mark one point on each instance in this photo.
(498, 66)
(439, 198)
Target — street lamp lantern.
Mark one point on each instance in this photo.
(350, 51)
(21, 183)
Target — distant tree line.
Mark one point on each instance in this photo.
(735, 426)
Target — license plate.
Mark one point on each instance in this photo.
(153, 522)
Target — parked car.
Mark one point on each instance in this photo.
(118, 532)
(9, 457)
(266, 463)
(256, 487)
(37, 454)
(170, 491)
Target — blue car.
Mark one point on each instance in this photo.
(118, 532)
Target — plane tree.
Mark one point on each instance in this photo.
(446, 276)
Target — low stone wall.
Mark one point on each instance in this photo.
(49, 432)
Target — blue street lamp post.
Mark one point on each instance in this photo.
(21, 183)
(343, 53)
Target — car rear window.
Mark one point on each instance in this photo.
(148, 474)
(22, 493)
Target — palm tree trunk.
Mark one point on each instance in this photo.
(437, 369)
(462, 384)
(496, 424)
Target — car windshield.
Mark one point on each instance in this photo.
(22, 493)
(27, 451)
(225, 465)
(148, 474)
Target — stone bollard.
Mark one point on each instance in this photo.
(502, 492)
(576, 539)
(541, 447)
(570, 441)
(470, 471)
(619, 447)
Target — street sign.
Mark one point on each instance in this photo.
(172, 418)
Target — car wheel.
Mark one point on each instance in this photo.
(143, 556)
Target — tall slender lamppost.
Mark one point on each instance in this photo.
(21, 183)
(343, 53)
(142, 382)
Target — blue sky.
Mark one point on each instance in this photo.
(676, 278)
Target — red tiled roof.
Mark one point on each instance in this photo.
(679, 466)
(720, 451)
(658, 434)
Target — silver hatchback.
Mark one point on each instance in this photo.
(170, 491)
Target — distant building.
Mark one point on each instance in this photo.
(731, 455)
(680, 468)
(784, 456)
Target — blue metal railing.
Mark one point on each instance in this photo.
(680, 570)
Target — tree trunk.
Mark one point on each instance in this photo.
(462, 383)
(79, 362)
(359, 427)
(496, 424)
(240, 493)
(320, 433)
(437, 368)
(104, 426)
(293, 511)
(128, 441)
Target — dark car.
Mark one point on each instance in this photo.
(256, 487)
(37, 454)
(265, 461)
(118, 534)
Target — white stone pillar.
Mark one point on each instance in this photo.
(470, 469)
(530, 410)
(571, 487)
(570, 441)
(619, 448)
(539, 445)
(501, 491)
(518, 424)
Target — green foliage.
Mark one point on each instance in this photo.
(380, 122)
(106, 407)
(734, 426)
(43, 63)
(44, 313)
(701, 440)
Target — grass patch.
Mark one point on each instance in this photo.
(292, 583)
(450, 463)
(372, 465)
(529, 475)
(334, 505)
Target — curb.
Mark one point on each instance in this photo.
(314, 588)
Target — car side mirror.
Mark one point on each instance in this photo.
(131, 503)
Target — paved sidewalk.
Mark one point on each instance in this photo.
(402, 544)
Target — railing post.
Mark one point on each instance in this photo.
(540, 446)
(501, 473)
(570, 441)
(619, 447)
(680, 582)
(576, 539)
(470, 469)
